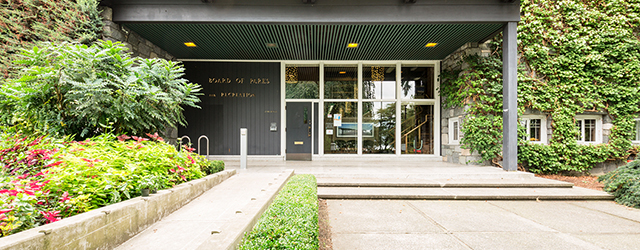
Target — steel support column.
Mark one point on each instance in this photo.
(510, 97)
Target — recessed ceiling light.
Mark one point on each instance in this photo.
(429, 45)
(342, 72)
(352, 45)
(190, 44)
(271, 45)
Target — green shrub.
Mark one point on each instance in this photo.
(291, 222)
(213, 167)
(624, 183)
(44, 179)
(73, 89)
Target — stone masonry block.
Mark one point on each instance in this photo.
(465, 152)
(445, 138)
(144, 50)
(106, 13)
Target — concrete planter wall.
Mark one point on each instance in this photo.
(110, 226)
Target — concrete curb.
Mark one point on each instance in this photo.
(110, 226)
(230, 235)
(446, 185)
(463, 197)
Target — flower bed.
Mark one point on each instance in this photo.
(45, 179)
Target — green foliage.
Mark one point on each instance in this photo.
(480, 88)
(624, 183)
(213, 167)
(576, 56)
(73, 89)
(25, 23)
(45, 179)
(291, 222)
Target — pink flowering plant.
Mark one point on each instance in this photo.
(43, 179)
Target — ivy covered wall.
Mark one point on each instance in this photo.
(576, 58)
(23, 23)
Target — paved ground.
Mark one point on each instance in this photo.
(399, 224)
(415, 224)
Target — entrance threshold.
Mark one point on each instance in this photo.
(333, 158)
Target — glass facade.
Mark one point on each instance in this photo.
(302, 82)
(417, 128)
(341, 82)
(341, 128)
(378, 127)
(362, 108)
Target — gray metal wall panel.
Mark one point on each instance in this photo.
(232, 101)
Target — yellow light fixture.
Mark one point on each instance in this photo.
(342, 72)
(429, 45)
(352, 45)
(190, 44)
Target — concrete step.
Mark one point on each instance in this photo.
(453, 193)
(442, 183)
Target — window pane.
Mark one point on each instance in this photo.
(637, 130)
(580, 136)
(340, 129)
(378, 127)
(417, 129)
(379, 82)
(417, 83)
(341, 82)
(534, 129)
(302, 82)
(590, 130)
(455, 131)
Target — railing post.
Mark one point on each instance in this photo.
(243, 148)
(200, 138)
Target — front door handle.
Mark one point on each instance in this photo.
(309, 130)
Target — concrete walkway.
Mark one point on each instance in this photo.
(401, 224)
(217, 219)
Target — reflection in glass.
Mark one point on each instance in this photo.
(417, 83)
(417, 129)
(341, 82)
(340, 129)
(379, 82)
(378, 127)
(302, 82)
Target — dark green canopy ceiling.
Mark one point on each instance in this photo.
(312, 41)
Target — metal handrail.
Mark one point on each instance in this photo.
(200, 138)
(180, 142)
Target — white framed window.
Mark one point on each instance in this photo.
(636, 127)
(590, 129)
(535, 127)
(454, 130)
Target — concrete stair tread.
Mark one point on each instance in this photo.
(453, 183)
(462, 193)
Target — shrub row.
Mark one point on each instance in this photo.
(624, 183)
(291, 222)
(43, 179)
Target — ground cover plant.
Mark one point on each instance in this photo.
(624, 183)
(44, 179)
(576, 57)
(291, 221)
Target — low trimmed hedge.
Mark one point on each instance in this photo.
(291, 222)
(624, 183)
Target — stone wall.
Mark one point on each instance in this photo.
(452, 152)
(138, 46)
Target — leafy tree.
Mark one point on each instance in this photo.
(73, 89)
